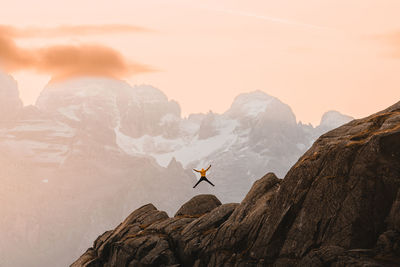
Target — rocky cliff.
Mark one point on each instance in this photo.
(339, 205)
(10, 104)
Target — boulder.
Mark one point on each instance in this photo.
(199, 205)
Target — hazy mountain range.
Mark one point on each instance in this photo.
(339, 205)
(91, 150)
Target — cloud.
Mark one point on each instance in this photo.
(65, 61)
(273, 19)
(89, 60)
(11, 56)
(268, 18)
(392, 39)
(68, 30)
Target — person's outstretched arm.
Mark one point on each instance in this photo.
(208, 167)
(196, 170)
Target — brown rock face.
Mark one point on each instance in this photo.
(198, 206)
(339, 205)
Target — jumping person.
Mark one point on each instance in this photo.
(203, 176)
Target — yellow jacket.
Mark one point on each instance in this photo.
(203, 171)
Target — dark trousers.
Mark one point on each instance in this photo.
(203, 178)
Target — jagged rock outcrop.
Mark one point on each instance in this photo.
(199, 205)
(10, 103)
(338, 206)
(148, 237)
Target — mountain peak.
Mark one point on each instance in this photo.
(83, 82)
(252, 103)
(149, 94)
(333, 119)
(258, 104)
(10, 103)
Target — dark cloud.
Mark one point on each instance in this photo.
(64, 61)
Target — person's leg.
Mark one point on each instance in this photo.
(209, 182)
(201, 179)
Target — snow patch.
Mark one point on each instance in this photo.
(255, 107)
(69, 112)
(184, 150)
(168, 118)
(149, 94)
(251, 104)
(37, 151)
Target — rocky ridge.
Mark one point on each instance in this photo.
(337, 206)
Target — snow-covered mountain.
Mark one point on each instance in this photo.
(95, 149)
(332, 119)
(10, 103)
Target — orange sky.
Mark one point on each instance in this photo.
(313, 55)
